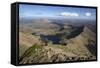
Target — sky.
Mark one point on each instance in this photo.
(33, 11)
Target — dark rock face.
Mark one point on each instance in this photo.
(76, 32)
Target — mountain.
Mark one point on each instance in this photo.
(81, 46)
(40, 26)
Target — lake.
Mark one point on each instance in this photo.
(53, 38)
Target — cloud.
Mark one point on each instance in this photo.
(69, 14)
(87, 14)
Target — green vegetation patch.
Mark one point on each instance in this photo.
(32, 50)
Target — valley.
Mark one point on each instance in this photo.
(47, 40)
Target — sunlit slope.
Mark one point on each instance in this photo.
(26, 40)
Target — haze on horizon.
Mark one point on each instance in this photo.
(41, 11)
